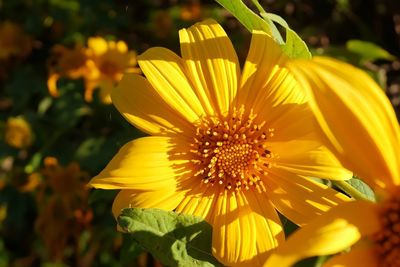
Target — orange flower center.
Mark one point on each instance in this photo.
(388, 239)
(231, 151)
(109, 68)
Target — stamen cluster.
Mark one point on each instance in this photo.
(231, 151)
(388, 239)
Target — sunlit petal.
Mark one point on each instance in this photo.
(212, 64)
(356, 116)
(331, 233)
(142, 164)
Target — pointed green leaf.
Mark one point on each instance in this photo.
(174, 239)
(294, 46)
(245, 15)
(130, 250)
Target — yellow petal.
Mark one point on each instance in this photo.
(199, 201)
(356, 117)
(97, 45)
(122, 47)
(357, 257)
(309, 158)
(90, 86)
(140, 104)
(330, 233)
(298, 148)
(52, 84)
(167, 199)
(244, 229)
(142, 164)
(212, 64)
(301, 199)
(266, 85)
(166, 73)
(106, 86)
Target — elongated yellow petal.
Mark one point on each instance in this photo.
(142, 164)
(357, 257)
(166, 198)
(166, 73)
(212, 64)
(97, 45)
(139, 103)
(331, 233)
(301, 199)
(245, 229)
(356, 117)
(199, 200)
(309, 158)
(299, 149)
(266, 85)
(52, 84)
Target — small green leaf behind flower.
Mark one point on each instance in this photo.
(357, 189)
(368, 51)
(362, 188)
(174, 239)
(245, 15)
(293, 46)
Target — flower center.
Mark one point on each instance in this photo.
(388, 239)
(109, 68)
(231, 151)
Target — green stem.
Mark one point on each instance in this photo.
(350, 190)
(259, 7)
(274, 30)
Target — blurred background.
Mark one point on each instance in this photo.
(59, 59)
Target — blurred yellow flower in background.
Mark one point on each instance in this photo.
(72, 63)
(191, 11)
(361, 128)
(112, 59)
(63, 214)
(229, 146)
(14, 42)
(100, 65)
(18, 133)
(68, 183)
(32, 182)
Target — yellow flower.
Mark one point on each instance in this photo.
(191, 11)
(32, 182)
(112, 59)
(361, 128)
(101, 65)
(14, 42)
(66, 182)
(228, 145)
(18, 133)
(70, 63)
(63, 212)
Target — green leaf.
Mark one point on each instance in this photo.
(245, 15)
(174, 239)
(368, 51)
(130, 250)
(362, 188)
(294, 46)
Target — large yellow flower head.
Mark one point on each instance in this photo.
(231, 146)
(361, 128)
(14, 42)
